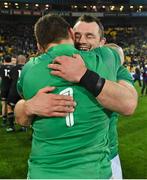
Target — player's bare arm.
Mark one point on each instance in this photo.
(119, 97)
(43, 104)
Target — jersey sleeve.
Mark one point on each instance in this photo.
(123, 74)
(116, 58)
(110, 57)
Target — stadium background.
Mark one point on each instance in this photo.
(125, 23)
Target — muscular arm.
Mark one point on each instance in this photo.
(43, 104)
(120, 97)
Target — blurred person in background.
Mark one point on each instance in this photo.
(14, 60)
(5, 88)
(137, 75)
(13, 96)
(144, 75)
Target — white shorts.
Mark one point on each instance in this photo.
(116, 168)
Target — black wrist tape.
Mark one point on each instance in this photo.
(92, 82)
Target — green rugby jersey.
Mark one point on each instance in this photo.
(122, 74)
(75, 147)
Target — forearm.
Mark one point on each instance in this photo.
(21, 116)
(43, 104)
(119, 97)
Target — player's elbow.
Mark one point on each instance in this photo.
(18, 121)
(131, 103)
(22, 122)
(130, 108)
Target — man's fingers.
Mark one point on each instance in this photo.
(46, 89)
(56, 109)
(58, 60)
(57, 73)
(59, 114)
(55, 67)
(76, 56)
(54, 114)
(66, 103)
(64, 109)
(63, 100)
(62, 97)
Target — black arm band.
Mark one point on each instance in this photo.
(92, 82)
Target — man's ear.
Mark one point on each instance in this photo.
(71, 34)
(102, 41)
(40, 48)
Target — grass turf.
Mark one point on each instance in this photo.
(14, 152)
(133, 141)
(15, 147)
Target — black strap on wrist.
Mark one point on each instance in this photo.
(92, 82)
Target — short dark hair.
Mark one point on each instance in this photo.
(50, 29)
(7, 58)
(90, 19)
